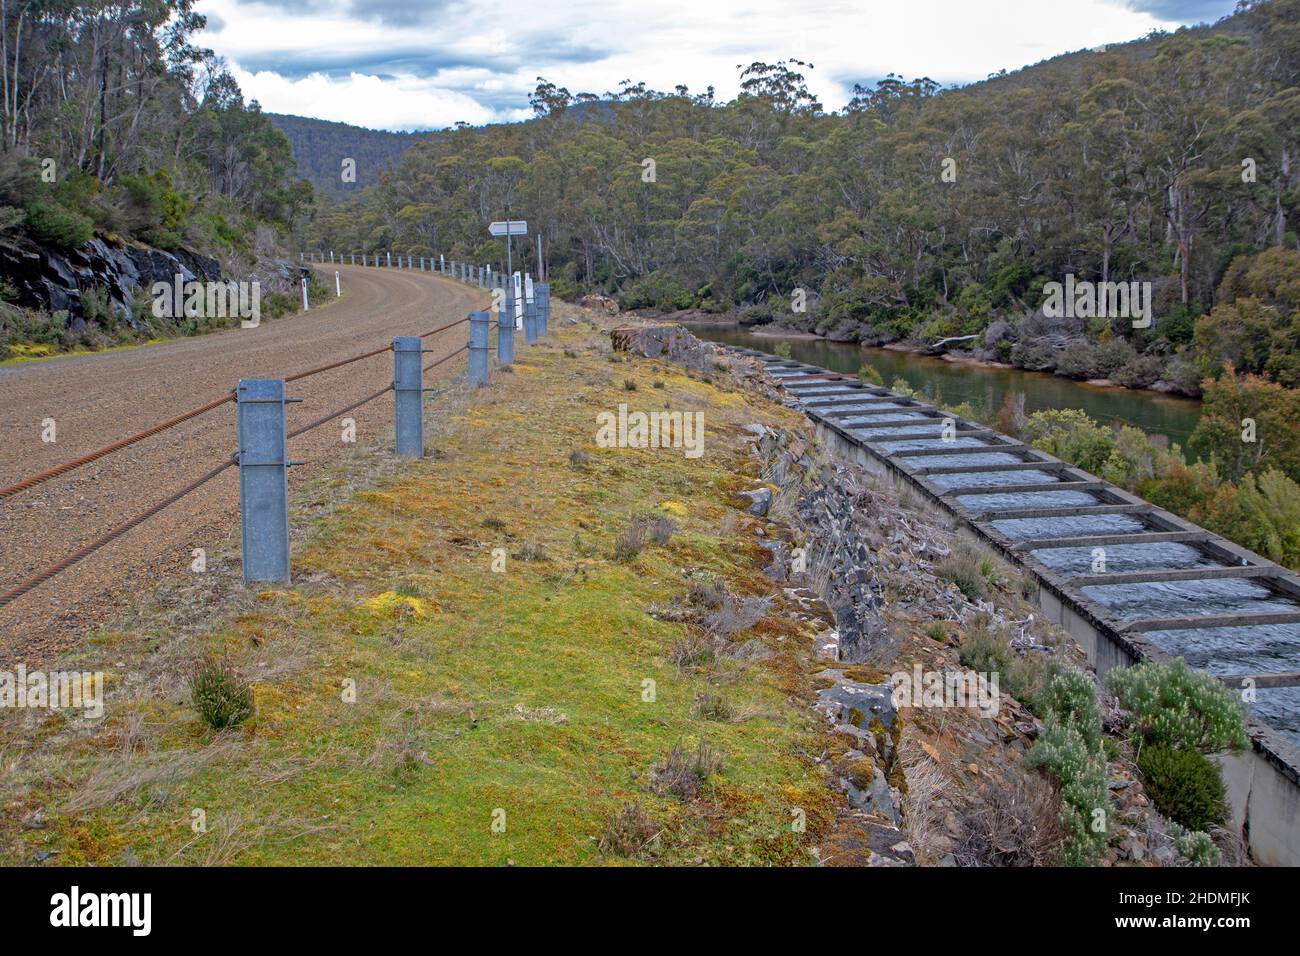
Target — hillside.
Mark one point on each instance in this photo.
(917, 213)
(106, 187)
(321, 146)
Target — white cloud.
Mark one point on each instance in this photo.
(433, 63)
(401, 103)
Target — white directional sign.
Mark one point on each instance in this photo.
(509, 227)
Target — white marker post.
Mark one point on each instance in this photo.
(519, 302)
(338, 287)
(304, 295)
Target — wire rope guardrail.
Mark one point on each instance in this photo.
(253, 460)
(115, 446)
(180, 419)
(108, 538)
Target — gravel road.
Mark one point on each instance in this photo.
(98, 399)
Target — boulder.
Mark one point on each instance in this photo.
(760, 501)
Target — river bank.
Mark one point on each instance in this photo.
(1164, 417)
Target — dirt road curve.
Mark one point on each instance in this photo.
(98, 399)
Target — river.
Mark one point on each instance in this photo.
(956, 382)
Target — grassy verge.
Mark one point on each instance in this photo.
(414, 705)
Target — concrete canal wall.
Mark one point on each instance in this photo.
(1263, 783)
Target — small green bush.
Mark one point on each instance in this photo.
(1184, 784)
(1028, 676)
(1196, 846)
(870, 375)
(220, 694)
(782, 350)
(1172, 704)
(1085, 802)
(57, 225)
(1071, 697)
(963, 567)
(986, 652)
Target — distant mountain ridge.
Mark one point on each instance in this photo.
(321, 146)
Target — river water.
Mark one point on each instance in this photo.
(954, 383)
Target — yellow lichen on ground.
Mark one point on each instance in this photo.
(392, 604)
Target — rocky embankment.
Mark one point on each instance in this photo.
(923, 783)
(51, 280)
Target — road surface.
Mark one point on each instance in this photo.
(98, 399)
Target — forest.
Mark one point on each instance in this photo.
(318, 145)
(916, 212)
(115, 123)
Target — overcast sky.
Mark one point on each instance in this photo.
(425, 64)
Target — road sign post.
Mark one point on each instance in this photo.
(509, 228)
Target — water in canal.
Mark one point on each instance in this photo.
(955, 382)
(1246, 649)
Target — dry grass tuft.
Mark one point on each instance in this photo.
(630, 832)
(683, 773)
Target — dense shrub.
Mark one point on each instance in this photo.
(1140, 371)
(1095, 360)
(52, 223)
(1175, 706)
(1184, 785)
(658, 290)
(1071, 435)
(1071, 698)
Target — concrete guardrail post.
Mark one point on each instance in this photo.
(408, 396)
(480, 326)
(506, 330)
(263, 480)
(530, 314)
